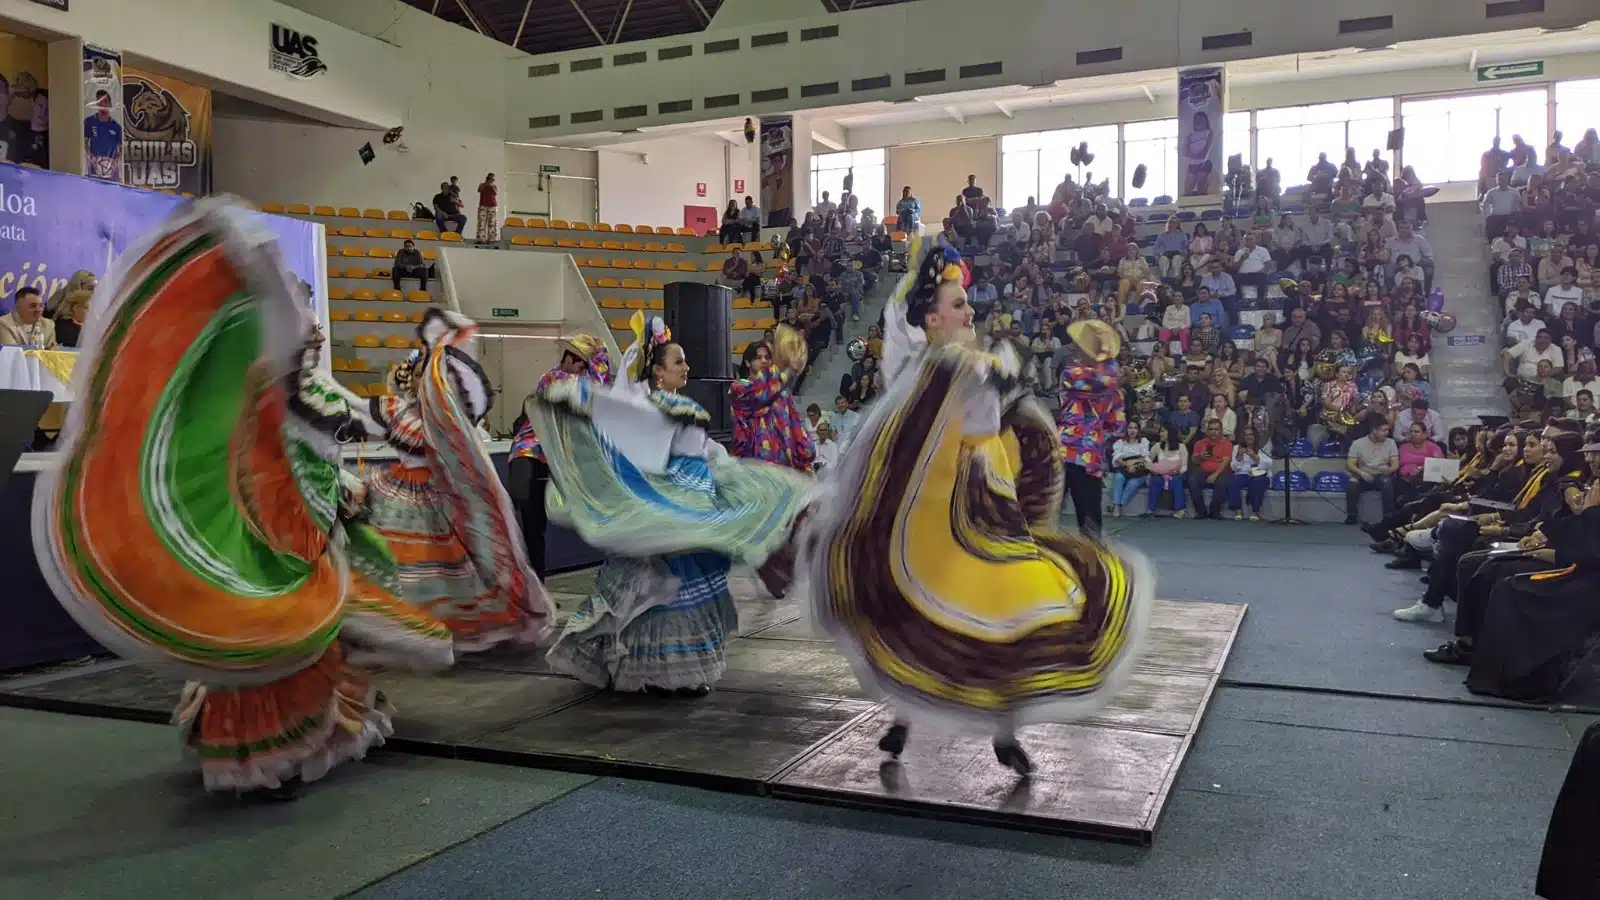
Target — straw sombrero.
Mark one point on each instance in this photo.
(1097, 339)
(582, 346)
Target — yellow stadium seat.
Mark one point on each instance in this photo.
(754, 245)
(419, 297)
(427, 235)
(621, 263)
(713, 248)
(685, 232)
(333, 272)
(398, 215)
(366, 315)
(664, 229)
(612, 303)
(713, 266)
(355, 272)
(597, 262)
(380, 253)
(742, 303)
(636, 246)
(636, 304)
(378, 389)
(416, 344)
(544, 242)
(429, 255)
(339, 365)
(619, 325)
(580, 226)
(298, 209)
(560, 224)
(611, 245)
(890, 220)
(349, 212)
(608, 283)
(688, 267)
(633, 284)
(363, 294)
(450, 237)
(350, 231)
(353, 252)
(360, 390)
(738, 349)
(272, 208)
(374, 214)
(567, 243)
(397, 341)
(592, 282)
(338, 315)
(743, 324)
(624, 229)
(521, 241)
(338, 294)
(666, 265)
(356, 364)
(398, 318)
(537, 222)
(897, 236)
(767, 322)
(677, 248)
(321, 210)
(655, 247)
(601, 226)
(657, 304)
(417, 316)
(400, 234)
(514, 222)
(390, 295)
(589, 245)
(381, 273)
(651, 284)
(379, 233)
(644, 229)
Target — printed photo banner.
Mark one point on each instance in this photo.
(53, 225)
(102, 123)
(777, 161)
(166, 143)
(1202, 93)
(25, 127)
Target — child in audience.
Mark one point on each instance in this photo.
(1169, 463)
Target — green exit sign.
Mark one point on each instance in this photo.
(550, 169)
(502, 312)
(1508, 71)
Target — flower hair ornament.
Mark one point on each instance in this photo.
(941, 266)
(647, 335)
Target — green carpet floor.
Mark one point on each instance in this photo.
(103, 810)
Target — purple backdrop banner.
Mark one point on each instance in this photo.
(52, 225)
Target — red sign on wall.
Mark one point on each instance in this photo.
(700, 189)
(738, 185)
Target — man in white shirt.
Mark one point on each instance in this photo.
(1500, 203)
(825, 208)
(1101, 221)
(1251, 263)
(1566, 292)
(1419, 412)
(1316, 236)
(1582, 380)
(1407, 242)
(1525, 327)
(826, 447)
(1510, 239)
(844, 419)
(1522, 295)
(1377, 198)
(1522, 361)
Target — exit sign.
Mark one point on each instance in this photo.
(554, 170)
(1508, 71)
(502, 312)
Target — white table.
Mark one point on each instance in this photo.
(22, 370)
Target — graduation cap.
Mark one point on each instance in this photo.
(367, 154)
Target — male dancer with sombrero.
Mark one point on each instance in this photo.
(1090, 418)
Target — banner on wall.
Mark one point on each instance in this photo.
(294, 53)
(52, 225)
(777, 164)
(166, 143)
(1202, 94)
(102, 100)
(25, 131)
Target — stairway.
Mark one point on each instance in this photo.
(822, 385)
(1466, 377)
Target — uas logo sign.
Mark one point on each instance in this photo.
(295, 54)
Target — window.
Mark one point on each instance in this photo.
(870, 183)
(1446, 137)
(1292, 137)
(1034, 164)
(1576, 102)
(1236, 138)
(1153, 145)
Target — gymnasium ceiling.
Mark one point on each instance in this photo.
(551, 26)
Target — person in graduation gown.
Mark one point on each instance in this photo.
(201, 522)
(529, 474)
(635, 474)
(1569, 867)
(934, 554)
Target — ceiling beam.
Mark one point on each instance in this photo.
(1004, 110)
(619, 21)
(517, 41)
(829, 134)
(956, 114)
(598, 37)
(699, 10)
(1147, 95)
(435, 10)
(476, 21)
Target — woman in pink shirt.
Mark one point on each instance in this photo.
(1416, 449)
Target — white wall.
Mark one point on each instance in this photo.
(224, 44)
(265, 161)
(938, 172)
(650, 182)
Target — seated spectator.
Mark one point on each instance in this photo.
(1522, 361)
(1212, 458)
(1171, 247)
(1377, 198)
(1417, 449)
(447, 209)
(1132, 271)
(1169, 465)
(1564, 290)
(1583, 378)
(908, 212)
(1130, 459)
(1514, 268)
(1184, 419)
(1204, 338)
(27, 325)
(843, 419)
(1411, 352)
(1248, 475)
(826, 207)
(408, 263)
(1252, 264)
(1222, 411)
(732, 229)
(1370, 464)
(1216, 296)
(827, 449)
(1418, 413)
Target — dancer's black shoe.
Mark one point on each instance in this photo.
(893, 741)
(1387, 545)
(656, 691)
(1013, 757)
(286, 792)
(1406, 560)
(697, 691)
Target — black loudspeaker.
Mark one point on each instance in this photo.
(712, 393)
(701, 318)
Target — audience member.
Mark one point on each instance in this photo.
(408, 263)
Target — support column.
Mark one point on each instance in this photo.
(64, 59)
